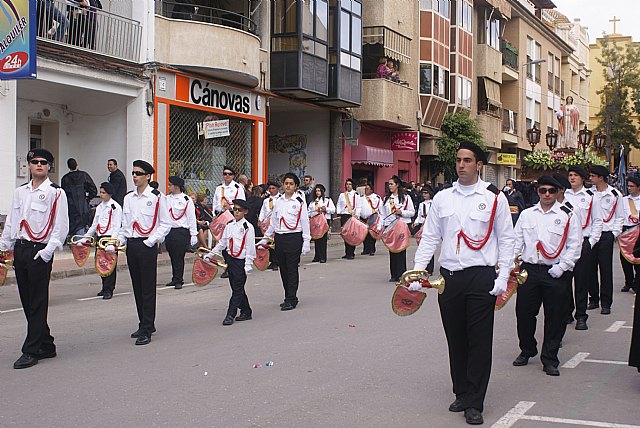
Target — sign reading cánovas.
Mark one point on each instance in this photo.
(17, 39)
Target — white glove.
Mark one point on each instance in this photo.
(555, 271)
(248, 268)
(194, 240)
(83, 241)
(46, 254)
(499, 286)
(263, 242)
(306, 248)
(592, 243)
(415, 286)
(110, 249)
(148, 243)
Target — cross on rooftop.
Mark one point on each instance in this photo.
(614, 20)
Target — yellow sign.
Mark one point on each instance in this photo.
(506, 159)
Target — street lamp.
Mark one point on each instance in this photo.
(599, 141)
(552, 140)
(584, 138)
(533, 136)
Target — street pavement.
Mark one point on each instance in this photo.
(341, 359)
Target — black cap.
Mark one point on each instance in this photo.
(321, 187)
(176, 181)
(146, 166)
(40, 153)
(273, 183)
(563, 180)
(429, 189)
(292, 176)
(635, 180)
(229, 168)
(600, 170)
(547, 180)
(107, 187)
(240, 203)
(481, 155)
(348, 180)
(580, 171)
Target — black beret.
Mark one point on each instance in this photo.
(240, 203)
(481, 155)
(580, 171)
(321, 187)
(40, 153)
(547, 180)
(292, 176)
(348, 180)
(229, 168)
(107, 187)
(273, 183)
(602, 171)
(563, 180)
(429, 189)
(635, 180)
(176, 181)
(146, 166)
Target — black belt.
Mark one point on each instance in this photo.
(137, 239)
(444, 271)
(535, 265)
(21, 241)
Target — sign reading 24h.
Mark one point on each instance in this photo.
(17, 39)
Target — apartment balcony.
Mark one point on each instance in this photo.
(509, 127)
(491, 127)
(219, 43)
(88, 29)
(387, 103)
(510, 68)
(487, 62)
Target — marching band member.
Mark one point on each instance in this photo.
(322, 205)
(370, 205)
(239, 241)
(631, 205)
(549, 237)
(611, 211)
(396, 206)
(36, 226)
(144, 225)
(423, 213)
(289, 226)
(348, 206)
(227, 191)
(591, 225)
(106, 223)
(472, 223)
(273, 189)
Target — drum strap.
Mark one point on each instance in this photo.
(349, 205)
(633, 218)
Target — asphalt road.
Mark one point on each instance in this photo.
(341, 359)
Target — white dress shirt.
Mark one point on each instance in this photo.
(228, 192)
(290, 216)
(535, 225)
(182, 213)
(468, 209)
(406, 208)
(584, 203)
(239, 239)
(423, 211)
(34, 205)
(354, 201)
(319, 203)
(267, 207)
(629, 218)
(141, 210)
(610, 210)
(107, 220)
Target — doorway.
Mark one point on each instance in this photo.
(45, 135)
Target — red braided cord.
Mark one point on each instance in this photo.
(47, 227)
(476, 244)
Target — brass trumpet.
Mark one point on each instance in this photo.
(103, 243)
(6, 262)
(271, 244)
(75, 240)
(421, 276)
(521, 274)
(213, 258)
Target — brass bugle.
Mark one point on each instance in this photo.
(271, 244)
(213, 258)
(75, 240)
(521, 274)
(421, 276)
(103, 243)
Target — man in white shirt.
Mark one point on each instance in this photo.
(273, 189)
(631, 205)
(370, 205)
(227, 191)
(349, 205)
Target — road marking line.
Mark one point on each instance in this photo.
(617, 325)
(519, 412)
(581, 357)
(100, 297)
(10, 310)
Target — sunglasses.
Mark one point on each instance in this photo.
(550, 191)
(138, 173)
(41, 162)
(228, 173)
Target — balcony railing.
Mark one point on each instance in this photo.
(510, 122)
(509, 56)
(88, 28)
(209, 15)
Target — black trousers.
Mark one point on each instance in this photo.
(582, 278)
(369, 244)
(109, 282)
(397, 264)
(143, 268)
(33, 278)
(349, 250)
(631, 271)
(467, 311)
(321, 247)
(237, 280)
(288, 250)
(542, 289)
(177, 242)
(602, 292)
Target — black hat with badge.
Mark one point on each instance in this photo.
(240, 203)
(481, 155)
(41, 154)
(107, 187)
(600, 170)
(273, 183)
(176, 181)
(547, 180)
(580, 171)
(563, 180)
(146, 166)
(427, 188)
(635, 180)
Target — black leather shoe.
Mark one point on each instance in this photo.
(372, 254)
(551, 371)
(351, 257)
(243, 317)
(143, 339)
(521, 360)
(581, 324)
(287, 306)
(225, 274)
(592, 305)
(323, 261)
(605, 311)
(100, 294)
(41, 355)
(456, 406)
(473, 416)
(228, 320)
(170, 284)
(315, 260)
(179, 285)
(107, 295)
(364, 253)
(275, 268)
(344, 257)
(136, 334)
(625, 289)
(25, 361)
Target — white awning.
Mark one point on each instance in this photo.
(395, 45)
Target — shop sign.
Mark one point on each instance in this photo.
(406, 141)
(506, 159)
(17, 39)
(216, 128)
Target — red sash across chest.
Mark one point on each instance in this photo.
(40, 236)
(477, 244)
(558, 250)
(284, 223)
(237, 254)
(147, 232)
(613, 210)
(584, 226)
(181, 214)
(103, 231)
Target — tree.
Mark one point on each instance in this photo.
(456, 127)
(621, 72)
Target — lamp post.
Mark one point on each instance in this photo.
(599, 141)
(533, 136)
(584, 138)
(552, 140)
